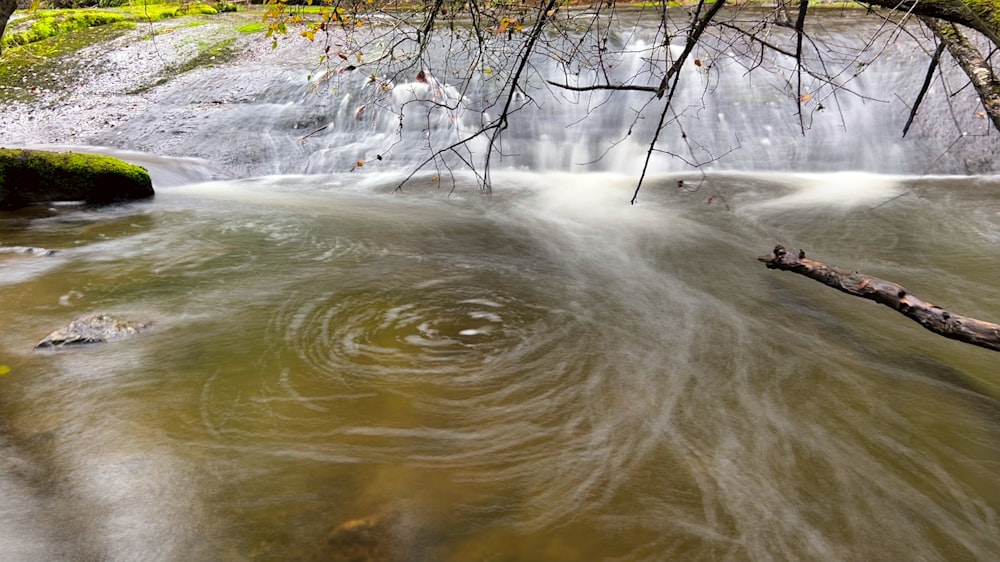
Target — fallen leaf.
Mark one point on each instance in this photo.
(806, 97)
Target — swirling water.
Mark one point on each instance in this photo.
(547, 374)
(341, 371)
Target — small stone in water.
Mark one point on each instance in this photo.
(97, 328)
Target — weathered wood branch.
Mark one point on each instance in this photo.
(936, 319)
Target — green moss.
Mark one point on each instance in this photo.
(209, 54)
(154, 12)
(35, 176)
(989, 10)
(49, 23)
(255, 27)
(670, 4)
(204, 9)
(43, 24)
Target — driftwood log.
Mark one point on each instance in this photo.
(934, 318)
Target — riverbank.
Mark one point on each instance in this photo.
(88, 96)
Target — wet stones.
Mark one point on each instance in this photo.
(96, 328)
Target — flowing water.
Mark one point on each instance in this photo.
(340, 371)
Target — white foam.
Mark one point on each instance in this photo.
(836, 190)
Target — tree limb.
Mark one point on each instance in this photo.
(976, 67)
(692, 40)
(800, 22)
(515, 82)
(940, 321)
(981, 15)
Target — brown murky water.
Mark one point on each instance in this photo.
(337, 372)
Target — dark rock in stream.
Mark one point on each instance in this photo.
(97, 328)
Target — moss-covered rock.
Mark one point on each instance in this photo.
(37, 176)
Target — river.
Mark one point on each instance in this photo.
(338, 370)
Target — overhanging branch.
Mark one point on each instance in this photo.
(976, 67)
(983, 16)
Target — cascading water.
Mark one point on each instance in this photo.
(340, 371)
(738, 113)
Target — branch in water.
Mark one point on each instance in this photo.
(936, 319)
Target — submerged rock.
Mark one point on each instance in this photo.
(36, 176)
(28, 250)
(373, 538)
(97, 328)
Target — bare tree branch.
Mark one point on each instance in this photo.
(924, 87)
(501, 121)
(799, 34)
(984, 17)
(934, 318)
(674, 73)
